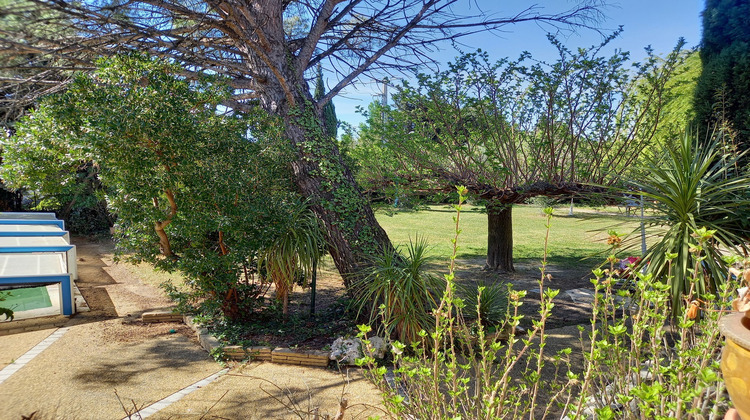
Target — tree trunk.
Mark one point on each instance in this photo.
(353, 233)
(499, 237)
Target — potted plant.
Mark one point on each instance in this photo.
(735, 359)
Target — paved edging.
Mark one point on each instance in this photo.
(166, 402)
(12, 368)
(208, 341)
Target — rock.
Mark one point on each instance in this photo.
(378, 347)
(348, 350)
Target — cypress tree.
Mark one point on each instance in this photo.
(329, 111)
(721, 95)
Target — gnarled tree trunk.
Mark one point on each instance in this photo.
(353, 233)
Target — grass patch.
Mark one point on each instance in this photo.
(572, 238)
(156, 278)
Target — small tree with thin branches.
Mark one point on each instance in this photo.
(509, 131)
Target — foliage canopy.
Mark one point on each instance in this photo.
(514, 129)
(191, 191)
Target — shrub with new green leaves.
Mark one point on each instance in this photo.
(638, 364)
(632, 364)
(458, 371)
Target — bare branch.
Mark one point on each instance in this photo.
(317, 30)
(244, 40)
(374, 57)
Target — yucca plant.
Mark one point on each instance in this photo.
(400, 285)
(693, 187)
(487, 302)
(293, 252)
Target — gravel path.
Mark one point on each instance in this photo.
(108, 359)
(261, 391)
(13, 347)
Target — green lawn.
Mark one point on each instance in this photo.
(571, 238)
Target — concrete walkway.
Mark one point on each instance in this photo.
(102, 354)
(78, 375)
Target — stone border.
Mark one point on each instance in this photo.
(300, 357)
(209, 343)
(260, 353)
(161, 316)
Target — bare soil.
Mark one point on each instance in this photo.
(331, 322)
(527, 277)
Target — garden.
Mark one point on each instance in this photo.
(449, 238)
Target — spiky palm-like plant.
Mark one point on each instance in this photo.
(403, 287)
(294, 251)
(693, 186)
(485, 302)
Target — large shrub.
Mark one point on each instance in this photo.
(193, 189)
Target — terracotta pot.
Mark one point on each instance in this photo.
(735, 360)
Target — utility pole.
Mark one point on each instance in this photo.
(385, 92)
(384, 97)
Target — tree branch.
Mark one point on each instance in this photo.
(313, 37)
(227, 37)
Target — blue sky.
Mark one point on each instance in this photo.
(658, 23)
